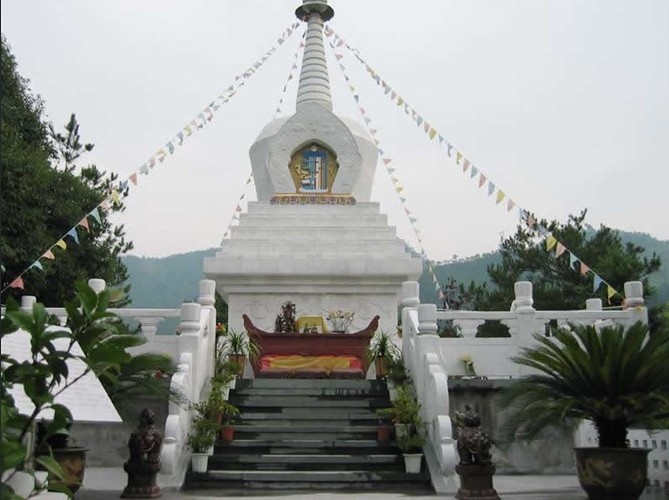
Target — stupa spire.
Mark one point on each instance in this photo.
(314, 81)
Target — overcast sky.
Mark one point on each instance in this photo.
(563, 104)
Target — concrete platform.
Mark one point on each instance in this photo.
(108, 483)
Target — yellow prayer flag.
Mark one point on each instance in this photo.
(458, 157)
(433, 133)
(500, 197)
(610, 292)
(550, 242)
(399, 189)
(61, 244)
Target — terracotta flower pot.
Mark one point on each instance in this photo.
(383, 433)
(380, 366)
(227, 433)
(612, 473)
(240, 361)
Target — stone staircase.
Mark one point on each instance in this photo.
(308, 434)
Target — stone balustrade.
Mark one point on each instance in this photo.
(431, 359)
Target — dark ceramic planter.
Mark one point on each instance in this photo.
(73, 463)
(612, 473)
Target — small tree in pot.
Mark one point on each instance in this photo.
(614, 377)
(239, 346)
(380, 351)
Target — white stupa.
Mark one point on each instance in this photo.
(313, 237)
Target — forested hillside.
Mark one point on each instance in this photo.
(169, 281)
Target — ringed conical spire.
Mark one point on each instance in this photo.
(314, 84)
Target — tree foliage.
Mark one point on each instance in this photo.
(556, 284)
(614, 377)
(44, 194)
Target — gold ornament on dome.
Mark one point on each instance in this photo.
(314, 169)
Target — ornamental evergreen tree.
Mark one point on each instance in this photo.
(557, 285)
(44, 194)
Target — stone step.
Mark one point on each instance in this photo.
(306, 402)
(307, 462)
(287, 427)
(305, 446)
(294, 416)
(260, 207)
(308, 249)
(293, 434)
(301, 383)
(322, 392)
(328, 234)
(314, 220)
(301, 479)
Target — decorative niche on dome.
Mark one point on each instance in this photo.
(313, 168)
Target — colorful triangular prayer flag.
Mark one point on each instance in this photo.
(510, 204)
(559, 249)
(17, 283)
(84, 223)
(584, 269)
(500, 197)
(49, 255)
(73, 234)
(387, 160)
(133, 178)
(551, 241)
(610, 292)
(473, 172)
(458, 157)
(433, 133)
(482, 179)
(491, 188)
(465, 165)
(572, 260)
(61, 244)
(95, 214)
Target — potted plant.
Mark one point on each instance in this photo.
(381, 348)
(411, 446)
(384, 430)
(71, 458)
(229, 414)
(404, 412)
(239, 346)
(397, 376)
(201, 438)
(613, 377)
(43, 370)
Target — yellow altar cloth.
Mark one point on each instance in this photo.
(297, 362)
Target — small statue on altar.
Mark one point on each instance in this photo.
(144, 462)
(285, 322)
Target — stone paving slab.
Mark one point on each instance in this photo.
(107, 484)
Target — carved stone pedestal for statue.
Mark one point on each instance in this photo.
(144, 461)
(476, 482)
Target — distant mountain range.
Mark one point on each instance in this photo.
(168, 281)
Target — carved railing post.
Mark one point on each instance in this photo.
(98, 285)
(27, 302)
(410, 294)
(207, 299)
(526, 322)
(634, 303)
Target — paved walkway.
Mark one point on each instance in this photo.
(108, 483)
